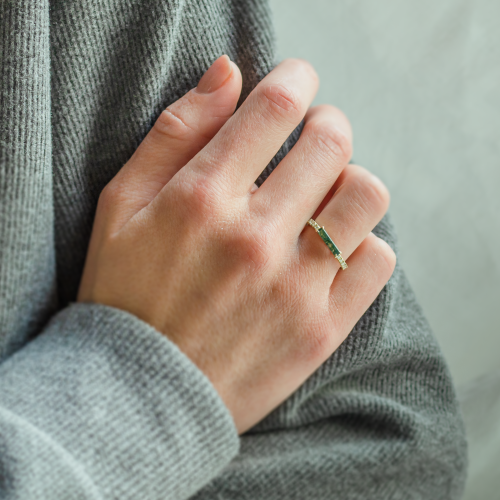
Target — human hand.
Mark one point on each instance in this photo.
(232, 274)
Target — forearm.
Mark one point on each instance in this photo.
(102, 404)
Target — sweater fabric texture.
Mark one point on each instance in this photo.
(94, 402)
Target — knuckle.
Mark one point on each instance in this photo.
(382, 259)
(110, 195)
(104, 196)
(303, 66)
(253, 248)
(306, 66)
(198, 197)
(170, 125)
(330, 141)
(386, 258)
(380, 191)
(374, 191)
(366, 195)
(281, 101)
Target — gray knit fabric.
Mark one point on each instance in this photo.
(96, 404)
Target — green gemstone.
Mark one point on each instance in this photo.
(329, 242)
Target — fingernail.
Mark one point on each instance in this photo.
(215, 76)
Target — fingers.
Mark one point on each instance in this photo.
(180, 132)
(249, 140)
(300, 182)
(354, 290)
(359, 202)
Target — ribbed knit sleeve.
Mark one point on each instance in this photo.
(27, 247)
(95, 404)
(100, 405)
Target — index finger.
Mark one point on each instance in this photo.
(254, 134)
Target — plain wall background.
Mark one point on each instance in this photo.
(420, 82)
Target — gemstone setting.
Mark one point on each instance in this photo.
(329, 242)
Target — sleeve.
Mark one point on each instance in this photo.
(94, 403)
(378, 420)
(101, 405)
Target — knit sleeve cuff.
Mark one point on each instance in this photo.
(123, 401)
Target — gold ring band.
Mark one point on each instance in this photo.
(329, 242)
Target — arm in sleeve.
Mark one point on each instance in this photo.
(94, 404)
(101, 405)
(378, 420)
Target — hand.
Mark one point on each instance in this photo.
(232, 274)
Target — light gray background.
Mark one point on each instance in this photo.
(420, 82)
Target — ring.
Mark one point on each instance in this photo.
(329, 242)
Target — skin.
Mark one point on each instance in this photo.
(233, 274)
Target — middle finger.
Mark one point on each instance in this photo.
(255, 133)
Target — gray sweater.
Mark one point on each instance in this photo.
(95, 403)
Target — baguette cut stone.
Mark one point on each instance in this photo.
(329, 242)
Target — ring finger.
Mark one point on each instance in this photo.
(359, 202)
